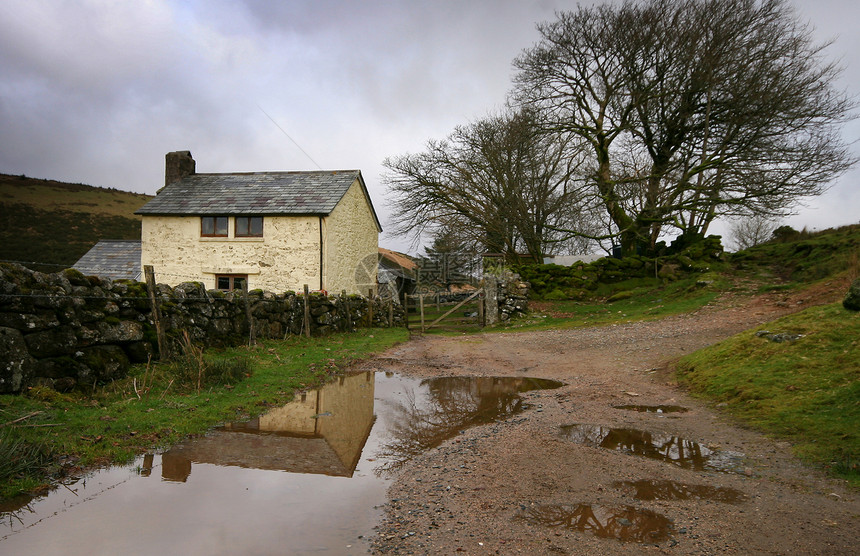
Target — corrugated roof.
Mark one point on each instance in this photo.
(112, 258)
(255, 193)
(401, 260)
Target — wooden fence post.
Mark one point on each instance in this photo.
(406, 310)
(307, 320)
(481, 322)
(163, 350)
(390, 313)
(370, 307)
(348, 326)
(252, 331)
(421, 306)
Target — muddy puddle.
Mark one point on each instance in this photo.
(648, 489)
(624, 523)
(669, 449)
(306, 478)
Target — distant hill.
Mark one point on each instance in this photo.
(48, 225)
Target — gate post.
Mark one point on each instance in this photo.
(307, 314)
(252, 331)
(482, 299)
(161, 337)
(491, 310)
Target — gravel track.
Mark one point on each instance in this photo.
(479, 493)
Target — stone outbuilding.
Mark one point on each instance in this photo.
(274, 231)
(117, 259)
(398, 274)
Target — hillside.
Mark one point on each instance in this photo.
(50, 224)
(803, 257)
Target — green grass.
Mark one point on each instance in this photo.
(806, 391)
(646, 301)
(147, 410)
(638, 299)
(809, 257)
(76, 197)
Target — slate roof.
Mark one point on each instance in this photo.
(255, 193)
(112, 258)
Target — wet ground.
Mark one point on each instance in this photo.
(458, 446)
(619, 460)
(307, 478)
(667, 448)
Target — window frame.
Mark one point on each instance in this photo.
(214, 220)
(232, 281)
(248, 225)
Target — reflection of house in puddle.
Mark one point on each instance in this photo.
(321, 431)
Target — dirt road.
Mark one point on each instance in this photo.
(534, 485)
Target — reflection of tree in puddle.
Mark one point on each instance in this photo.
(16, 509)
(670, 449)
(12, 511)
(21, 502)
(624, 523)
(646, 489)
(443, 407)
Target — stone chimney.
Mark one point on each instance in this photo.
(177, 165)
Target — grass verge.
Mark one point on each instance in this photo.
(643, 302)
(806, 391)
(46, 434)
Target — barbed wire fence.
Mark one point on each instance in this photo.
(172, 277)
(169, 293)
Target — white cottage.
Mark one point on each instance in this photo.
(272, 230)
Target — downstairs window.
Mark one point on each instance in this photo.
(229, 282)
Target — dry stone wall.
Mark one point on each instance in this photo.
(66, 330)
(513, 297)
(507, 295)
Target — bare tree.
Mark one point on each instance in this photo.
(750, 231)
(502, 182)
(690, 109)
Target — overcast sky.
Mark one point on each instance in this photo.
(98, 91)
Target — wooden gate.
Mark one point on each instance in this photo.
(451, 312)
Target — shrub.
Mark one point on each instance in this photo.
(227, 371)
(18, 458)
(191, 369)
(620, 295)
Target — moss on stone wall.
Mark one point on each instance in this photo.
(581, 280)
(67, 329)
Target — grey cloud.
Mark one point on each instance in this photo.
(97, 92)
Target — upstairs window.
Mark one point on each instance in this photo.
(249, 226)
(213, 226)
